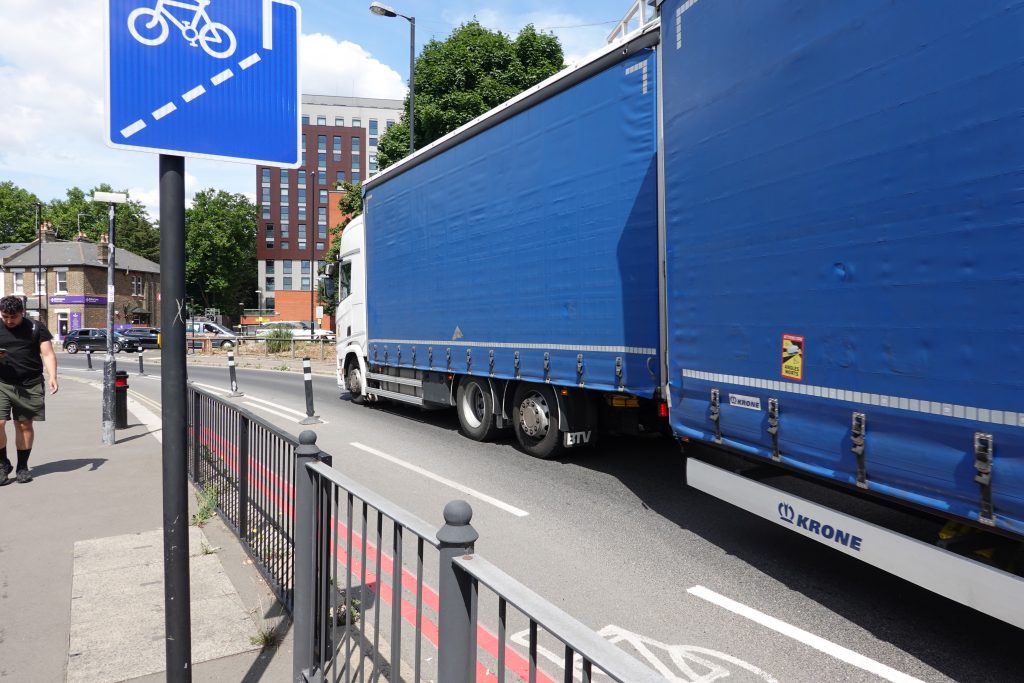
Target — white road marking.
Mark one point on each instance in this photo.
(211, 388)
(133, 129)
(249, 61)
(222, 76)
(817, 642)
(442, 480)
(164, 110)
(193, 93)
(265, 409)
(297, 413)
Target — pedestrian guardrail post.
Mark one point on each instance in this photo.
(231, 376)
(307, 377)
(88, 357)
(243, 478)
(304, 610)
(141, 371)
(197, 432)
(456, 651)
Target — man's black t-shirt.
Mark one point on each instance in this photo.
(23, 364)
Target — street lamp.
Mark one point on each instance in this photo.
(382, 10)
(39, 271)
(111, 199)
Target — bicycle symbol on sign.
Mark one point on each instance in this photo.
(216, 38)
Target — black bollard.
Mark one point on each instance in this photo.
(307, 376)
(141, 371)
(231, 375)
(88, 356)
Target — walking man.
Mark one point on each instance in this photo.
(26, 347)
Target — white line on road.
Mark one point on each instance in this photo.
(447, 482)
(297, 413)
(817, 642)
(213, 389)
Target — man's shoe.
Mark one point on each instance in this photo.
(24, 476)
(5, 470)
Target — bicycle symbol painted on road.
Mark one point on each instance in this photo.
(149, 27)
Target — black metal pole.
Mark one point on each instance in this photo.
(108, 361)
(455, 627)
(141, 371)
(307, 376)
(39, 273)
(173, 394)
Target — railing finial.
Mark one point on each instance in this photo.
(457, 530)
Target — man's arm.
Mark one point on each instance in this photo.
(50, 363)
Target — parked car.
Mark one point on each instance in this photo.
(196, 331)
(96, 339)
(148, 337)
(299, 330)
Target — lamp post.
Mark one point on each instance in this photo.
(259, 305)
(111, 199)
(39, 270)
(383, 10)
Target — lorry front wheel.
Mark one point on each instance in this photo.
(535, 420)
(476, 409)
(354, 383)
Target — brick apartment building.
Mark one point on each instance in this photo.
(72, 291)
(339, 143)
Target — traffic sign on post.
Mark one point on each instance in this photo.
(215, 79)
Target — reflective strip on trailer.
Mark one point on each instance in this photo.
(979, 586)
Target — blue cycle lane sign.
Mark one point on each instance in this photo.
(214, 79)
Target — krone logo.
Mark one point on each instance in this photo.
(786, 512)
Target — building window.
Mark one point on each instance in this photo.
(270, 231)
(302, 177)
(355, 163)
(301, 246)
(270, 267)
(284, 213)
(286, 245)
(305, 120)
(19, 283)
(373, 162)
(302, 196)
(373, 126)
(39, 283)
(339, 176)
(286, 282)
(302, 212)
(323, 196)
(373, 142)
(62, 281)
(321, 120)
(266, 211)
(389, 124)
(321, 215)
(355, 147)
(284, 231)
(136, 285)
(339, 120)
(270, 285)
(319, 246)
(321, 231)
(321, 161)
(284, 177)
(337, 147)
(321, 143)
(302, 231)
(286, 267)
(322, 177)
(355, 177)
(284, 195)
(303, 142)
(265, 175)
(304, 267)
(270, 244)
(357, 123)
(264, 197)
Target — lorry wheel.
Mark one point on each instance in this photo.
(354, 383)
(476, 409)
(535, 420)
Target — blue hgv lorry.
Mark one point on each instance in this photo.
(791, 230)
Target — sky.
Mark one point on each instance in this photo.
(52, 79)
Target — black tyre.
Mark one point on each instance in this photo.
(117, 347)
(72, 347)
(535, 420)
(476, 409)
(227, 344)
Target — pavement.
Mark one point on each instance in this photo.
(286, 361)
(81, 562)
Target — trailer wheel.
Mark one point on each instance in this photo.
(354, 383)
(476, 409)
(535, 420)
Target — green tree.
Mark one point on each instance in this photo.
(469, 73)
(220, 249)
(133, 229)
(17, 213)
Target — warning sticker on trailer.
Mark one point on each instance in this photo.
(793, 357)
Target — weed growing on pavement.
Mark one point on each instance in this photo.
(207, 500)
(282, 367)
(206, 549)
(266, 636)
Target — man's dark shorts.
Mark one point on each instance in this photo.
(26, 403)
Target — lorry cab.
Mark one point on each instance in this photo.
(350, 315)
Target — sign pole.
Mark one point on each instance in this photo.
(173, 395)
(108, 361)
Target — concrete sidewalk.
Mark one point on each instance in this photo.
(81, 562)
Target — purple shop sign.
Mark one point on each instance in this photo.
(78, 299)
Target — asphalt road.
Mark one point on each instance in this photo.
(614, 537)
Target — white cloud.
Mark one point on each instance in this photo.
(51, 103)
